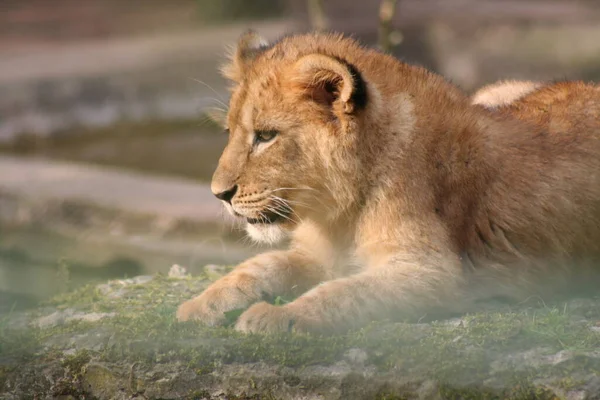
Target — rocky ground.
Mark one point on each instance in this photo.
(120, 340)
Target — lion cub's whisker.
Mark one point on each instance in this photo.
(290, 188)
(283, 203)
(220, 99)
(287, 201)
(280, 213)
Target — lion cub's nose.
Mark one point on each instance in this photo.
(228, 194)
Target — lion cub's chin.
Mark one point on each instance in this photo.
(266, 233)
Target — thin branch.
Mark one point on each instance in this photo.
(387, 9)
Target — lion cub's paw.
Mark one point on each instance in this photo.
(195, 309)
(266, 318)
(210, 307)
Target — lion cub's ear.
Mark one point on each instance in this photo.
(327, 80)
(249, 45)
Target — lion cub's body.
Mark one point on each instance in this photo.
(399, 196)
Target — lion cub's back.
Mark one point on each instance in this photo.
(548, 199)
(561, 108)
(503, 93)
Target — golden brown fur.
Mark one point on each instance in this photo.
(399, 197)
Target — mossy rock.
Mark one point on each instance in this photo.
(121, 340)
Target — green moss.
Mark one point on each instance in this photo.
(199, 395)
(5, 372)
(148, 311)
(569, 383)
(15, 343)
(524, 391)
(527, 391)
(205, 395)
(144, 330)
(389, 396)
(83, 297)
(99, 377)
(70, 383)
(77, 362)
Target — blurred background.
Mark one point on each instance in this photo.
(106, 150)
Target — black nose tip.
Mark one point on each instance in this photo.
(228, 194)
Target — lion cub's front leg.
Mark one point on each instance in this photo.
(399, 289)
(268, 274)
(416, 273)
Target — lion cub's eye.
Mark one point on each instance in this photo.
(264, 136)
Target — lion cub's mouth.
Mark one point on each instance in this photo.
(269, 217)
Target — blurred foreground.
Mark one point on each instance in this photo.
(120, 340)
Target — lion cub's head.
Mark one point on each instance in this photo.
(293, 123)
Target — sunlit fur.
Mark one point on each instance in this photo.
(406, 199)
(270, 234)
(503, 93)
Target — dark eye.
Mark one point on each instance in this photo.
(226, 131)
(264, 136)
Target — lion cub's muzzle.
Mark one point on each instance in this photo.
(267, 217)
(270, 213)
(256, 208)
(227, 195)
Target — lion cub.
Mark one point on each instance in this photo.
(399, 197)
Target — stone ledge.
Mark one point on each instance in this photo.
(101, 222)
(130, 346)
(83, 196)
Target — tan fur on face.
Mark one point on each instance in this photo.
(503, 92)
(403, 197)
